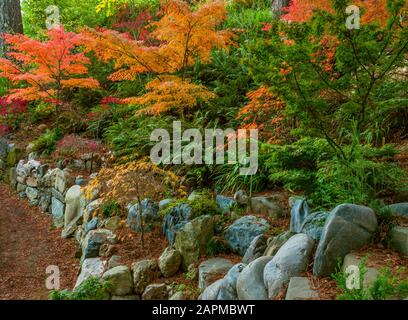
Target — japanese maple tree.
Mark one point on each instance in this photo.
(373, 10)
(184, 36)
(42, 70)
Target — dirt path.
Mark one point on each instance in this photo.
(28, 244)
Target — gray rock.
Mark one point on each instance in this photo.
(60, 182)
(196, 194)
(150, 215)
(32, 195)
(211, 292)
(256, 249)
(348, 227)
(191, 241)
(178, 296)
(175, 219)
(164, 203)
(398, 239)
(275, 243)
(58, 195)
(399, 209)
(313, 225)
(241, 197)
(45, 202)
(144, 272)
(212, 270)
(70, 229)
(225, 204)
(155, 292)
(113, 223)
(169, 262)
(228, 289)
(250, 283)
(299, 289)
(91, 208)
(267, 206)
(114, 261)
(4, 148)
(91, 225)
(93, 242)
(290, 261)
(57, 211)
(120, 280)
(21, 187)
(81, 181)
(298, 214)
(240, 234)
(93, 267)
(72, 207)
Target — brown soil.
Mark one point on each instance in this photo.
(28, 245)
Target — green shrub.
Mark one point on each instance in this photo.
(111, 208)
(91, 289)
(387, 285)
(202, 204)
(46, 143)
(130, 137)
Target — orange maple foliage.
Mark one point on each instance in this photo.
(171, 93)
(265, 113)
(373, 10)
(184, 36)
(45, 68)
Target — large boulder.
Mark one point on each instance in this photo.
(93, 242)
(175, 219)
(398, 239)
(93, 267)
(211, 270)
(70, 229)
(250, 283)
(290, 261)
(228, 289)
(241, 233)
(150, 214)
(267, 206)
(144, 273)
(169, 262)
(399, 209)
(348, 227)
(298, 214)
(256, 249)
(299, 289)
(313, 225)
(192, 239)
(60, 180)
(120, 279)
(72, 206)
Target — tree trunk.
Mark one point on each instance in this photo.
(10, 18)
(277, 5)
